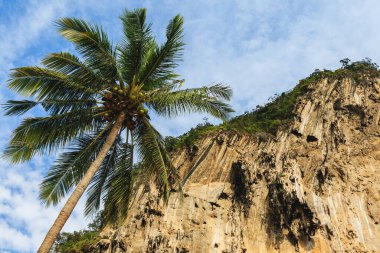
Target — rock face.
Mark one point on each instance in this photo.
(313, 188)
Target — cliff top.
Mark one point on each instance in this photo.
(278, 112)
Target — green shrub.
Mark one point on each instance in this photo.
(80, 241)
(76, 242)
(188, 139)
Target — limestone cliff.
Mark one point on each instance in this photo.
(314, 187)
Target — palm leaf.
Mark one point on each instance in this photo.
(14, 107)
(97, 186)
(120, 187)
(161, 60)
(19, 107)
(46, 84)
(153, 156)
(136, 41)
(54, 106)
(40, 134)
(76, 70)
(70, 167)
(219, 91)
(93, 43)
(205, 100)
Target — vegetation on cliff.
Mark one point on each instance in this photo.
(278, 112)
(80, 241)
(76, 242)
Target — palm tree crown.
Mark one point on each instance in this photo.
(109, 91)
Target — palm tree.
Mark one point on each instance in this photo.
(97, 109)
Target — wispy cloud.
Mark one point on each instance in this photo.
(23, 220)
(258, 47)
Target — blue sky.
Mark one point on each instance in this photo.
(258, 47)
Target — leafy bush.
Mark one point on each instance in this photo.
(188, 139)
(80, 241)
(76, 242)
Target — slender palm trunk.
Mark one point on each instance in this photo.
(81, 187)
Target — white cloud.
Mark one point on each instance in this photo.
(23, 30)
(22, 217)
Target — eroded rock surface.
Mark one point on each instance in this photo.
(313, 188)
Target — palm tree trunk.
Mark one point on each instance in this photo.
(81, 187)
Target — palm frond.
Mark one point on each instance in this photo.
(40, 134)
(76, 70)
(153, 157)
(97, 187)
(46, 84)
(120, 187)
(18, 107)
(161, 60)
(205, 100)
(52, 106)
(136, 41)
(93, 43)
(70, 167)
(219, 91)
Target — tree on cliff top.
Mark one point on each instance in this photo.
(97, 107)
